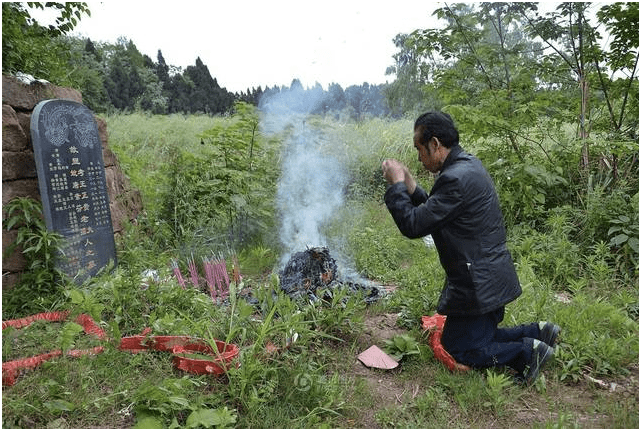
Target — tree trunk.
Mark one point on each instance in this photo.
(583, 132)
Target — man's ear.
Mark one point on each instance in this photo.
(426, 148)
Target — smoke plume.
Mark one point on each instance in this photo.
(312, 181)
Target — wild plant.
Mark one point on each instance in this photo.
(592, 336)
(625, 238)
(599, 264)
(337, 312)
(401, 345)
(144, 146)
(82, 301)
(119, 295)
(41, 249)
(499, 390)
(252, 380)
(570, 364)
(431, 408)
(173, 403)
(563, 421)
(628, 300)
(551, 252)
(258, 260)
(527, 190)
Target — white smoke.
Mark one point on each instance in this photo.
(312, 181)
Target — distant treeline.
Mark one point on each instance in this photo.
(117, 77)
(125, 79)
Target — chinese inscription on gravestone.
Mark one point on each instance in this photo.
(72, 183)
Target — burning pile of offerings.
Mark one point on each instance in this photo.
(313, 274)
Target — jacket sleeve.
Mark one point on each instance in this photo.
(419, 196)
(419, 215)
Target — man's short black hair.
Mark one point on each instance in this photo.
(440, 125)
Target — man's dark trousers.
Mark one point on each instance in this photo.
(476, 341)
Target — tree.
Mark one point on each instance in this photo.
(336, 99)
(180, 94)
(207, 96)
(252, 96)
(478, 66)
(32, 48)
(569, 34)
(89, 48)
(123, 83)
(117, 84)
(153, 99)
(86, 73)
(137, 59)
(411, 69)
(162, 69)
(354, 96)
(621, 22)
(70, 14)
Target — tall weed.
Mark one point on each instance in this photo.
(41, 249)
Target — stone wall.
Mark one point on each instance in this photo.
(19, 174)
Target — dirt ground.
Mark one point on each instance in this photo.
(577, 403)
(386, 389)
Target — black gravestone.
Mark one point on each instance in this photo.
(72, 182)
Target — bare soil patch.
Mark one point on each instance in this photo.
(385, 386)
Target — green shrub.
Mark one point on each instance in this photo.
(596, 336)
(41, 249)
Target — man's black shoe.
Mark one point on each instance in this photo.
(541, 354)
(548, 333)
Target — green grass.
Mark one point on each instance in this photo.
(144, 145)
(317, 381)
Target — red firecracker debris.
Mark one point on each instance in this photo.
(435, 325)
(220, 360)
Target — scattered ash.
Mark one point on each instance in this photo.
(313, 273)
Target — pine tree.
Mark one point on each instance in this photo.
(162, 69)
(207, 96)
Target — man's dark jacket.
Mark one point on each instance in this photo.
(463, 216)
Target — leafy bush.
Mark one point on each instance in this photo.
(29, 47)
(41, 248)
(220, 193)
(527, 191)
(551, 252)
(625, 235)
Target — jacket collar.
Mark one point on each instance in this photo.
(452, 156)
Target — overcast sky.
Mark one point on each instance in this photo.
(247, 43)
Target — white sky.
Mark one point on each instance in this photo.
(248, 43)
(251, 43)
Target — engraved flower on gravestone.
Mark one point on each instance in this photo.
(56, 129)
(60, 120)
(84, 129)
